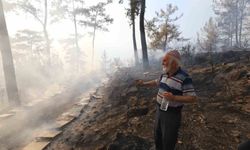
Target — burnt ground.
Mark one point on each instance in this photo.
(123, 118)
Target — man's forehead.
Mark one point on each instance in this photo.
(166, 57)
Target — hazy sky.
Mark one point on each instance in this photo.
(118, 42)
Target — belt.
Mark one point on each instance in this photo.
(170, 108)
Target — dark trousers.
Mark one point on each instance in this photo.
(244, 146)
(167, 124)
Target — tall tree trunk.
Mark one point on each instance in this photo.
(231, 35)
(134, 43)
(8, 65)
(143, 37)
(242, 8)
(236, 33)
(236, 24)
(76, 40)
(240, 32)
(47, 44)
(211, 61)
(46, 32)
(93, 42)
(165, 42)
(77, 45)
(93, 47)
(105, 62)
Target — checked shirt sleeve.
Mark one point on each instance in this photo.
(188, 88)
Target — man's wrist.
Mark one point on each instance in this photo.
(174, 98)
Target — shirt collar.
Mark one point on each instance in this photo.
(178, 70)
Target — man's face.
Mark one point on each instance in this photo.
(166, 63)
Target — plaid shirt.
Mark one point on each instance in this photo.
(178, 84)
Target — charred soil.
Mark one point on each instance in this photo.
(121, 116)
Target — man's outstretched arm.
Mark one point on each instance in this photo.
(152, 83)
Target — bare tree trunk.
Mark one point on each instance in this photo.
(93, 41)
(77, 45)
(242, 8)
(47, 44)
(134, 43)
(236, 24)
(105, 62)
(230, 39)
(46, 32)
(236, 33)
(211, 61)
(240, 32)
(165, 43)
(231, 35)
(93, 47)
(143, 37)
(8, 65)
(76, 40)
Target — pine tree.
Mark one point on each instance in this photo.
(208, 39)
(162, 28)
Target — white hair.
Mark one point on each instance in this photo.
(172, 58)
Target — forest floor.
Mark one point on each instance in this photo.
(120, 116)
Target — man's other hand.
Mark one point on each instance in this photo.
(169, 96)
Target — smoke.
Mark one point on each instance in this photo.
(21, 127)
(46, 91)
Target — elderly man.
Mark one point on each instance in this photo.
(175, 89)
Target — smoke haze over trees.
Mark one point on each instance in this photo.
(233, 21)
(53, 51)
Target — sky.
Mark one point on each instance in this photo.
(118, 41)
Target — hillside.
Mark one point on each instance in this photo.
(121, 116)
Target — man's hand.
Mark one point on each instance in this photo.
(169, 96)
(151, 83)
(139, 82)
(179, 98)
